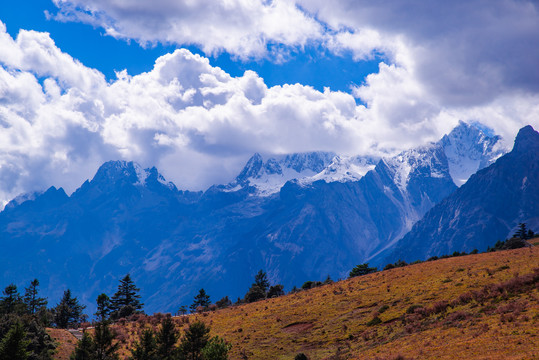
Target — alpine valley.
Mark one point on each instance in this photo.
(299, 217)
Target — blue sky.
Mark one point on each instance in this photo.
(208, 83)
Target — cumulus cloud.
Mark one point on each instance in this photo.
(60, 120)
(443, 55)
(244, 28)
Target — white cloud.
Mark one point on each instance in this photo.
(241, 27)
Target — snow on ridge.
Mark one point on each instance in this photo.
(142, 174)
(344, 169)
(469, 149)
(269, 176)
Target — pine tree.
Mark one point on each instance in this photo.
(201, 299)
(259, 289)
(146, 347)
(68, 312)
(14, 345)
(360, 270)
(106, 348)
(103, 307)
(216, 349)
(182, 310)
(522, 232)
(276, 291)
(11, 302)
(261, 280)
(126, 300)
(85, 349)
(166, 339)
(194, 340)
(32, 300)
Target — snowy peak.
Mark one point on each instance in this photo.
(468, 149)
(314, 161)
(425, 161)
(130, 172)
(344, 169)
(268, 177)
(251, 169)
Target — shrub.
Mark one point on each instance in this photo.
(375, 321)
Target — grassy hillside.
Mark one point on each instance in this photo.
(483, 306)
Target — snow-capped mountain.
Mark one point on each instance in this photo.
(469, 149)
(486, 208)
(269, 177)
(299, 217)
(344, 169)
(460, 153)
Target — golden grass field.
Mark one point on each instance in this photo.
(483, 306)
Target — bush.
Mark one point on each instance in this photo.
(301, 356)
(375, 321)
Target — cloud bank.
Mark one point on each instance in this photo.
(59, 120)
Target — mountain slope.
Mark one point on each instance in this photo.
(470, 307)
(489, 206)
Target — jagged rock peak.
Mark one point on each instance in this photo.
(252, 168)
(527, 137)
(469, 149)
(315, 161)
(132, 172)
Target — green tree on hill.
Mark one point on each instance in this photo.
(362, 269)
(68, 312)
(261, 287)
(31, 298)
(201, 300)
(103, 307)
(146, 347)
(126, 301)
(13, 346)
(102, 346)
(194, 340)
(11, 302)
(166, 339)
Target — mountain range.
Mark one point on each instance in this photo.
(299, 217)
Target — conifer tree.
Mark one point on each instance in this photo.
(194, 340)
(216, 349)
(68, 312)
(32, 300)
(126, 300)
(201, 299)
(85, 349)
(103, 307)
(11, 302)
(146, 347)
(166, 339)
(259, 289)
(106, 348)
(14, 345)
(522, 232)
(360, 270)
(261, 280)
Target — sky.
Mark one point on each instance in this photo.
(196, 87)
